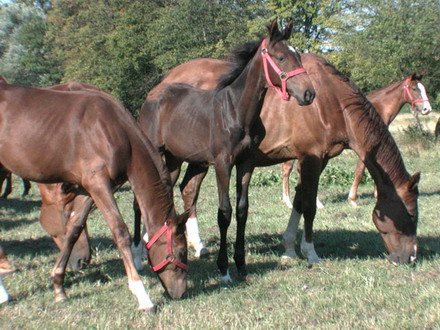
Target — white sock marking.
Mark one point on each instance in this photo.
(194, 240)
(138, 289)
(308, 251)
(289, 236)
(4, 297)
(226, 278)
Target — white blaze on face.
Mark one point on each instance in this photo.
(292, 49)
(426, 105)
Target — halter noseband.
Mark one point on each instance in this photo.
(170, 258)
(411, 100)
(283, 75)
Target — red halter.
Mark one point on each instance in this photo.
(170, 257)
(411, 100)
(283, 75)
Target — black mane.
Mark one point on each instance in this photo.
(240, 57)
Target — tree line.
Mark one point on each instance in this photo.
(126, 46)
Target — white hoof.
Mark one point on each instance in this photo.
(4, 297)
(289, 254)
(308, 251)
(201, 251)
(353, 202)
(226, 278)
(319, 205)
(287, 201)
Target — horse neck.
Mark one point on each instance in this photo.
(371, 140)
(150, 183)
(248, 91)
(388, 101)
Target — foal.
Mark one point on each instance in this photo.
(214, 127)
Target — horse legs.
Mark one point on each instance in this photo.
(102, 195)
(190, 188)
(244, 174)
(26, 187)
(304, 203)
(286, 169)
(223, 175)
(358, 174)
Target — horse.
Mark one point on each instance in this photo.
(388, 102)
(339, 118)
(91, 144)
(204, 127)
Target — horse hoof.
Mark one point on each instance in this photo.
(353, 202)
(202, 252)
(59, 298)
(148, 310)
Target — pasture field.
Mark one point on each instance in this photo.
(354, 287)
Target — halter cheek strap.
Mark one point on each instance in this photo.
(407, 94)
(283, 75)
(170, 258)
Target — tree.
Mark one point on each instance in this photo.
(25, 56)
(382, 41)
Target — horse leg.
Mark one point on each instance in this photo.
(223, 175)
(26, 187)
(358, 174)
(190, 188)
(310, 170)
(4, 297)
(244, 174)
(102, 195)
(286, 170)
(6, 175)
(137, 248)
(77, 222)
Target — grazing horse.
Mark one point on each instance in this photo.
(214, 127)
(339, 118)
(92, 145)
(388, 102)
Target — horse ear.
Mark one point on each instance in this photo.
(414, 181)
(413, 75)
(273, 30)
(287, 32)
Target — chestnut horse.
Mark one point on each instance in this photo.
(339, 118)
(214, 127)
(388, 102)
(92, 145)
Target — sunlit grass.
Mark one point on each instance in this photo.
(354, 287)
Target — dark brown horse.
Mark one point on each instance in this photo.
(388, 102)
(339, 118)
(92, 145)
(214, 127)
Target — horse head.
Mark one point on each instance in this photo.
(415, 94)
(168, 255)
(396, 220)
(283, 67)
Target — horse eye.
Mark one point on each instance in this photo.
(281, 59)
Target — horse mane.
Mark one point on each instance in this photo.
(376, 136)
(240, 56)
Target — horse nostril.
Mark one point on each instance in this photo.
(309, 96)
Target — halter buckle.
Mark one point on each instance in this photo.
(283, 76)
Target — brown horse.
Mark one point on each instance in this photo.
(388, 102)
(340, 118)
(214, 127)
(92, 145)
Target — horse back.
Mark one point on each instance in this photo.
(53, 131)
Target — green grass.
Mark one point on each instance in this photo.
(355, 287)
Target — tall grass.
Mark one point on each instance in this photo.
(354, 287)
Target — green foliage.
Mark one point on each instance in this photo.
(380, 42)
(268, 178)
(341, 175)
(417, 136)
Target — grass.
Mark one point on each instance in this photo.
(355, 287)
